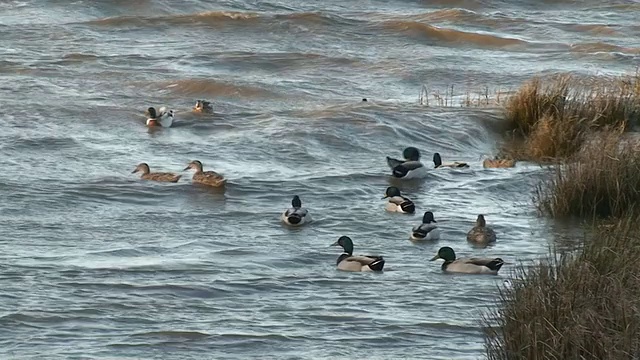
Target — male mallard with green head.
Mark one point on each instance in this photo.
(349, 262)
(437, 162)
(397, 202)
(156, 176)
(410, 167)
(210, 178)
(428, 230)
(296, 215)
(467, 265)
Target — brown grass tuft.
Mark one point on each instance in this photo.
(602, 180)
(581, 306)
(548, 120)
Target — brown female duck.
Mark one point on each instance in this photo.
(156, 176)
(481, 234)
(210, 178)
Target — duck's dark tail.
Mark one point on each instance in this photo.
(408, 207)
(294, 219)
(377, 264)
(400, 171)
(495, 264)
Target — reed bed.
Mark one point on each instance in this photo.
(584, 305)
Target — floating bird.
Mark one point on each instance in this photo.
(296, 215)
(203, 106)
(349, 262)
(428, 230)
(210, 178)
(467, 265)
(480, 233)
(437, 161)
(397, 202)
(156, 176)
(410, 167)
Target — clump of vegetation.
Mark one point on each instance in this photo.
(548, 120)
(602, 180)
(581, 306)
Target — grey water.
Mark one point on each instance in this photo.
(98, 264)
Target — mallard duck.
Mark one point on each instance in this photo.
(468, 265)
(428, 230)
(157, 176)
(397, 202)
(210, 178)
(481, 233)
(296, 215)
(348, 262)
(410, 167)
(203, 106)
(437, 161)
(498, 163)
(163, 117)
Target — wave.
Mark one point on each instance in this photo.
(213, 88)
(603, 47)
(594, 29)
(450, 36)
(217, 18)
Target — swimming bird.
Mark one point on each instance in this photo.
(203, 106)
(349, 262)
(428, 230)
(397, 202)
(498, 163)
(437, 161)
(480, 233)
(210, 178)
(296, 215)
(467, 265)
(162, 117)
(410, 167)
(156, 176)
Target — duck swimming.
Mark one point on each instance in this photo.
(349, 262)
(210, 178)
(498, 163)
(397, 202)
(203, 106)
(163, 117)
(410, 167)
(428, 230)
(467, 265)
(481, 234)
(156, 176)
(437, 161)
(296, 215)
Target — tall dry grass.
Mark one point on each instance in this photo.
(547, 119)
(600, 181)
(581, 306)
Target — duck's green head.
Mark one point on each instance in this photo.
(446, 253)
(391, 192)
(151, 112)
(428, 218)
(411, 154)
(346, 244)
(481, 222)
(296, 202)
(437, 160)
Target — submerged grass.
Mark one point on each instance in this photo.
(548, 120)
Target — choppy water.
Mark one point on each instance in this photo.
(95, 263)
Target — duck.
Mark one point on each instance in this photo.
(410, 167)
(467, 265)
(210, 178)
(163, 117)
(203, 106)
(397, 202)
(428, 230)
(437, 161)
(349, 262)
(481, 234)
(498, 163)
(156, 176)
(296, 215)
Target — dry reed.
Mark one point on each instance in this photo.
(584, 305)
(602, 180)
(548, 119)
